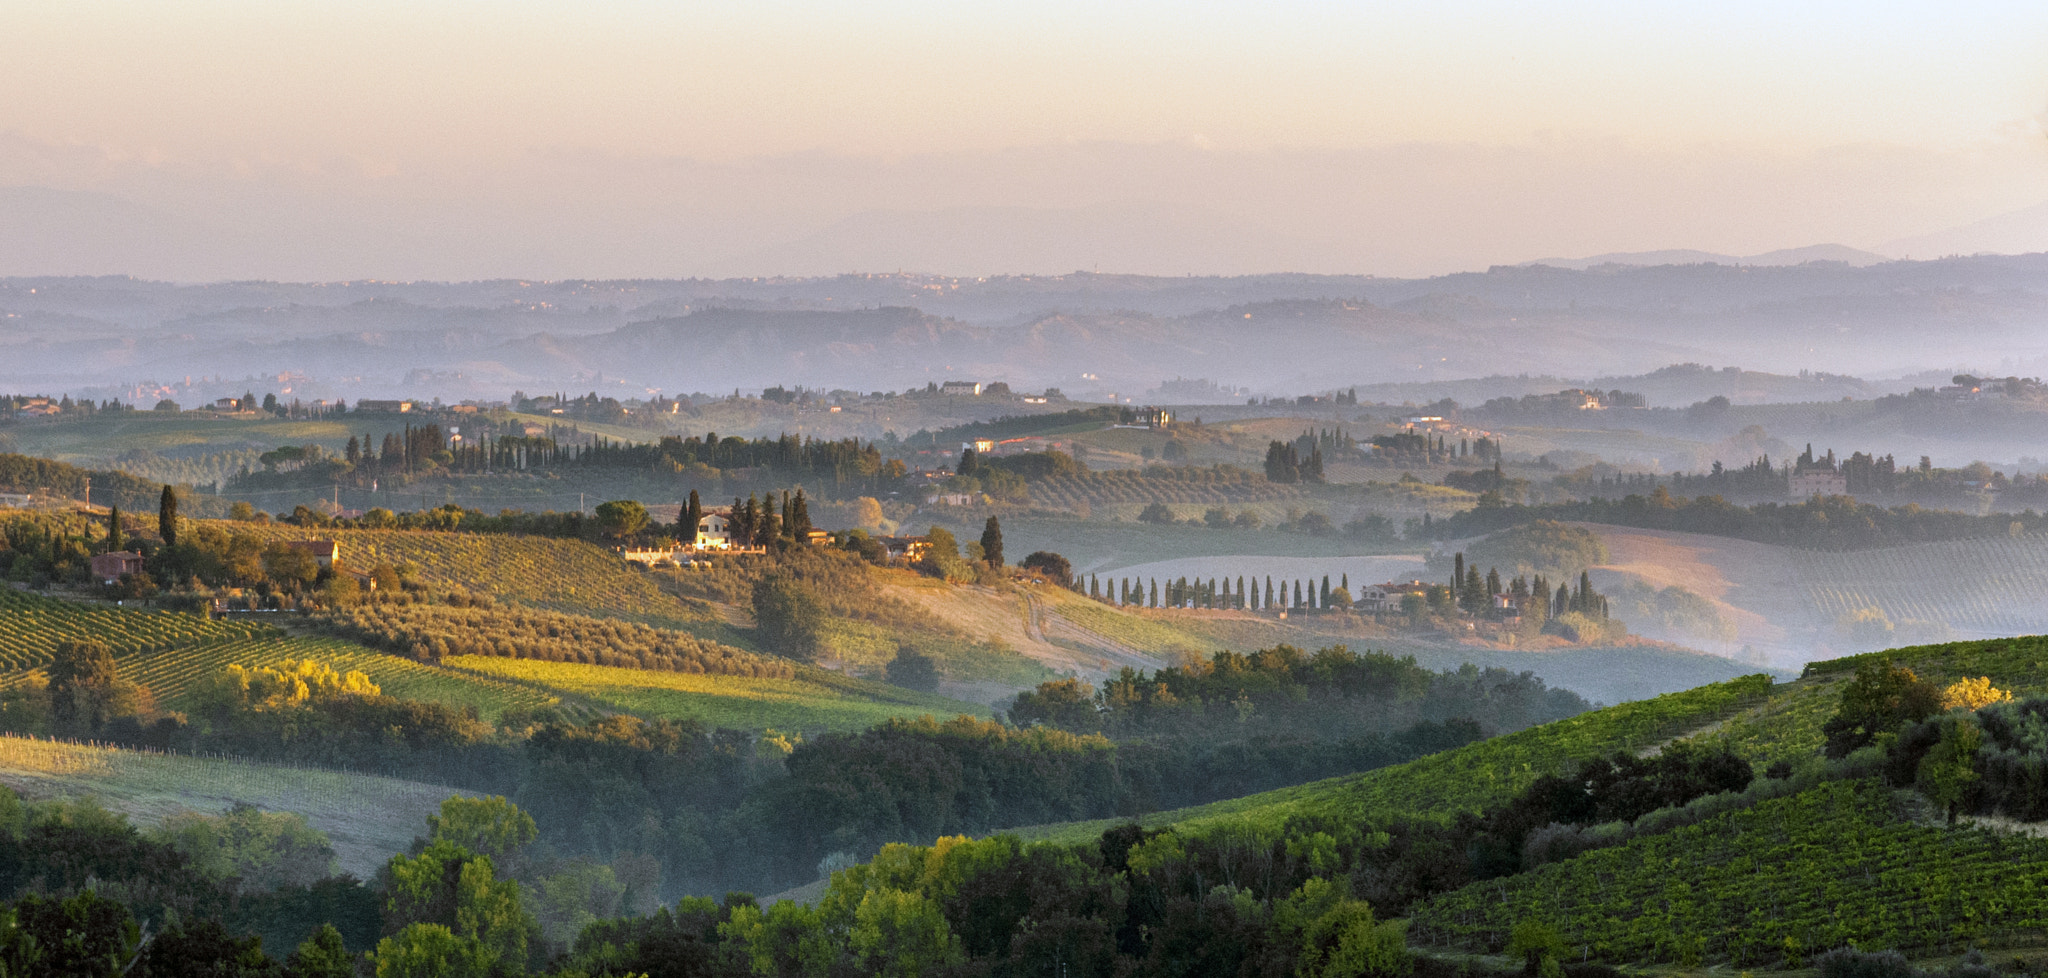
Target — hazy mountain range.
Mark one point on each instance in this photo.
(1088, 334)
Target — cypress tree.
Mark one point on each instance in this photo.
(1153, 599)
(992, 543)
(800, 518)
(1323, 601)
(1457, 574)
(167, 517)
(692, 518)
(1269, 592)
(767, 523)
(113, 528)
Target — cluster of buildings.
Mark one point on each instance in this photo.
(715, 536)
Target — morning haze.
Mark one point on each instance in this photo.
(827, 490)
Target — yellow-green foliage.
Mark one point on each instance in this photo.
(1822, 869)
(290, 683)
(1788, 725)
(814, 700)
(31, 627)
(176, 674)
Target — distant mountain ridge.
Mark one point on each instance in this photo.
(1086, 333)
(1686, 256)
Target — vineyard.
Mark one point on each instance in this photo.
(31, 626)
(367, 818)
(173, 673)
(815, 700)
(1199, 486)
(1470, 778)
(435, 631)
(1789, 725)
(1818, 870)
(1986, 586)
(569, 576)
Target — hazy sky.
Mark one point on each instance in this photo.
(433, 139)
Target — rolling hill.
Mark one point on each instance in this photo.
(1789, 604)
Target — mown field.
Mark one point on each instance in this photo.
(814, 701)
(366, 817)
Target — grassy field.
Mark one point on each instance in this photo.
(368, 818)
(1095, 544)
(569, 576)
(815, 701)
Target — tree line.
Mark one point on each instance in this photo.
(1828, 523)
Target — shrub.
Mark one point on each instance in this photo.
(1847, 962)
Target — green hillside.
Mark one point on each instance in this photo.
(31, 626)
(814, 700)
(169, 651)
(367, 817)
(1822, 856)
(172, 674)
(1466, 779)
(1763, 886)
(570, 576)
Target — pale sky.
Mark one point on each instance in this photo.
(331, 140)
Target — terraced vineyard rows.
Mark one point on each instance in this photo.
(814, 701)
(1128, 486)
(541, 572)
(1818, 870)
(172, 674)
(31, 626)
(1983, 586)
